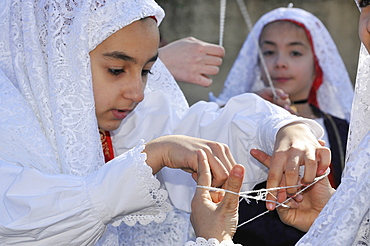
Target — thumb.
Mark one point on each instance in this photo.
(234, 183)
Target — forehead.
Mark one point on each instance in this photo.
(284, 31)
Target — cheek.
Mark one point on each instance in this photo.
(101, 92)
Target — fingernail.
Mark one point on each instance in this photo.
(320, 172)
(238, 171)
(269, 206)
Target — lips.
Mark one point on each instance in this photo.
(281, 79)
(120, 114)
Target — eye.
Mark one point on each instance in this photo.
(115, 71)
(268, 52)
(364, 3)
(146, 72)
(296, 53)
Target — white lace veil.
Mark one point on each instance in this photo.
(345, 220)
(334, 95)
(47, 113)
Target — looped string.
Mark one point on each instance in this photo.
(261, 194)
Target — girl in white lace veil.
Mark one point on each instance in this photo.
(334, 96)
(345, 220)
(48, 58)
(48, 120)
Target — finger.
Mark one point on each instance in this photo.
(217, 196)
(204, 172)
(212, 60)
(310, 168)
(209, 70)
(290, 109)
(322, 142)
(215, 50)
(292, 174)
(281, 94)
(261, 156)
(202, 80)
(219, 163)
(234, 184)
(222, 151)
(275, 176)
(324, 158)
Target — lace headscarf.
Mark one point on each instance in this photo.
(47, 112)
(335, 94)
(345, 220)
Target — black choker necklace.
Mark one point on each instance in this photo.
(300, 101)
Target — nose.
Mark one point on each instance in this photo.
(280, 61)
(134, 89)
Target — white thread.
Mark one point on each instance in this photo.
(222, 20)
(263, 192)
(247, 19)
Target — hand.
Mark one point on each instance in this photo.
(295, 146)
(306, 206)
(177, 151)
(210, 219)
(192, 61)
(281, 100)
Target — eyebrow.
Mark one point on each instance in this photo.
(122, 56)
(290, 44)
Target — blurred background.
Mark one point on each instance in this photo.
(201, 19)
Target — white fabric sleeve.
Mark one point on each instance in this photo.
(210, 242)
(247, 121)
(43, 209)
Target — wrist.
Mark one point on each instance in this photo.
(153, 151)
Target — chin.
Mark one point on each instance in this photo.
(110, 126)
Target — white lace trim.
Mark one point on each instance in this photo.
(172, 231)
(210, 242)
(156, 213)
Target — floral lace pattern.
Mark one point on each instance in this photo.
(210, 242)
(161, 80)
(345, 220)
(336, 92)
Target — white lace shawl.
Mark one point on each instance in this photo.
(345, 220)
(44, 53)
(334, 95)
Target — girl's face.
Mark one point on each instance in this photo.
(289, 58)
(364, 23)
(120, 67)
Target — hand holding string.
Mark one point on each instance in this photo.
(192, 61)
(281, 99)
(178, 151)
(304, 208)
(295, 146)
(211, 219)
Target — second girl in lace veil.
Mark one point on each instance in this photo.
(302, 60)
